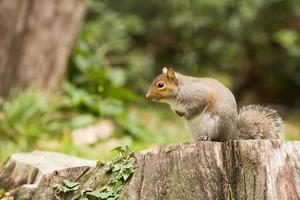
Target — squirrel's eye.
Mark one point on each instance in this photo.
(160, 84)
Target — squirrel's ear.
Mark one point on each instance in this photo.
(164, 70)
(172, 76)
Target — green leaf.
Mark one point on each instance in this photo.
(101, 163)
(126, 176)
(97, 194)
(122, 169)
(71, 185)
(117, 166)
(121, 149)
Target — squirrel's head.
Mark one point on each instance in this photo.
(164, 86)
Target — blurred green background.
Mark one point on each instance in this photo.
(252, 46)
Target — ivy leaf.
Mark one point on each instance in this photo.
(108, 193)
(113, 198)
(65, 187)
(121, 168)
(117, 167)
(83, 198)
(128, 166)
(71, 185)
(126, 175)
(122, 149)
(118, 149)
(84, 192)
(100, 163)
(97, 194)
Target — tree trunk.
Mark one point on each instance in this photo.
(257, 169)
(36, 38)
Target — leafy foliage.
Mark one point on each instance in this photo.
(28, 116)
(255, 43)
(94, 86)
(27, 119)
(65, 187)
(121, 168)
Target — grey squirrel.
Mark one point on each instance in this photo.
(210, 111)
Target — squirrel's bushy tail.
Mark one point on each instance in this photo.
(258, 122)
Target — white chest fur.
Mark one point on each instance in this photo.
(203, 125)
(174, 105)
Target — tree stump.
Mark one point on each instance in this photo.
(36, 39)
(244, 169)
(27, 174)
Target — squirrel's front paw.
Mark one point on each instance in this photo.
(203, 138)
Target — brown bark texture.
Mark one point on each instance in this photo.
(249, 169)
(36, 38)
(33, 175)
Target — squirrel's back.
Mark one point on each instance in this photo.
(258, 122)
(215, 94)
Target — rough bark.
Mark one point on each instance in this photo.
(36, 38)
(261, 169)
(257, 169)
(30, 174)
